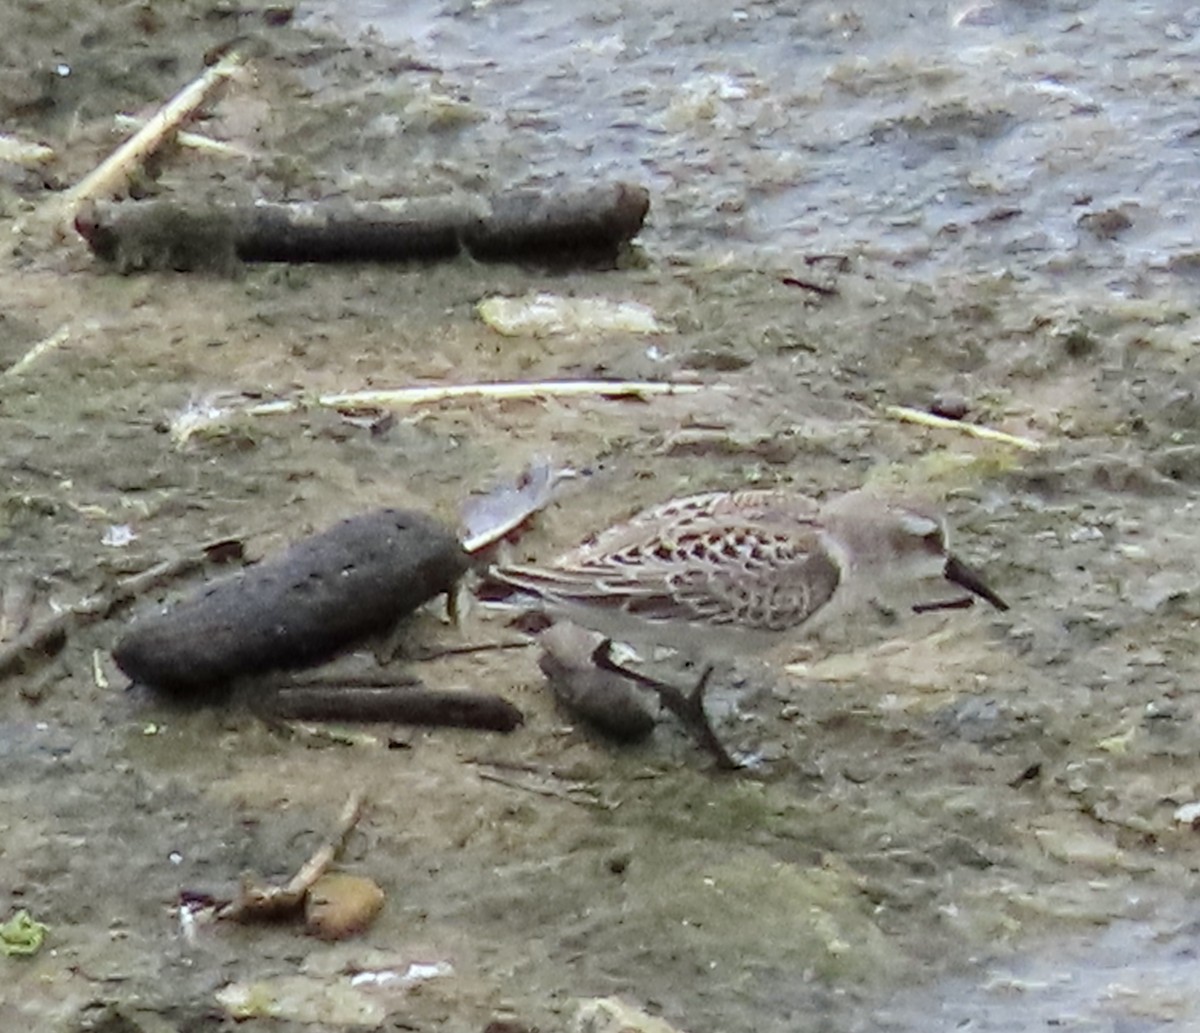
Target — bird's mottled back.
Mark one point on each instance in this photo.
(747, 564)
(742, 562)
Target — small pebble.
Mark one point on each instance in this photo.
(341, 905)
(1106, 224)
(950, 405)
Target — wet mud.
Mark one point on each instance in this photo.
(953, 810)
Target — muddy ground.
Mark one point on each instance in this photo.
(946, 798)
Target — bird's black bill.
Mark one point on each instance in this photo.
(962, 602)
(958, 572)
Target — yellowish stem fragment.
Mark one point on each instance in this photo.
(928, 419)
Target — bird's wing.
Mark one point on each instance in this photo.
(763, 569)
(783, 511)
(781, 595)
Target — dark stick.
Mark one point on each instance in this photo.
(809, 285)
(578, 227)
(405, 704)
(963, 602)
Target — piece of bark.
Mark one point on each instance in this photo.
(324, 595)
(404, 704)
(581, 227)
(603, 699)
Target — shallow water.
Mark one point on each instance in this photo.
(1048, 139)
(1128, 977)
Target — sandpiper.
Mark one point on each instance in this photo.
(737, 571)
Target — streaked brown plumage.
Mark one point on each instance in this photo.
(742, 570)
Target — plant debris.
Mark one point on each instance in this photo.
(22, 935)
(584, 227)
(259, 902)
(324, 595)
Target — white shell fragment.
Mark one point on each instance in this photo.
(548, 315)
(1188, 813)
(117, 536)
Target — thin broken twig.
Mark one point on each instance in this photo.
(440, 652)
(579, 793)
(258, 902)
(46, 344)
(501, 391)
(111, 173)
(47, 638)
(536, 778)
(926, 419)
(809, 285)
(193, 141)
(208, 417)
(964, 602)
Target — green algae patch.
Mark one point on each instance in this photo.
(22, 935)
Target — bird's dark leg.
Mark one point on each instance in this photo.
(689, 709)
(698, 719)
